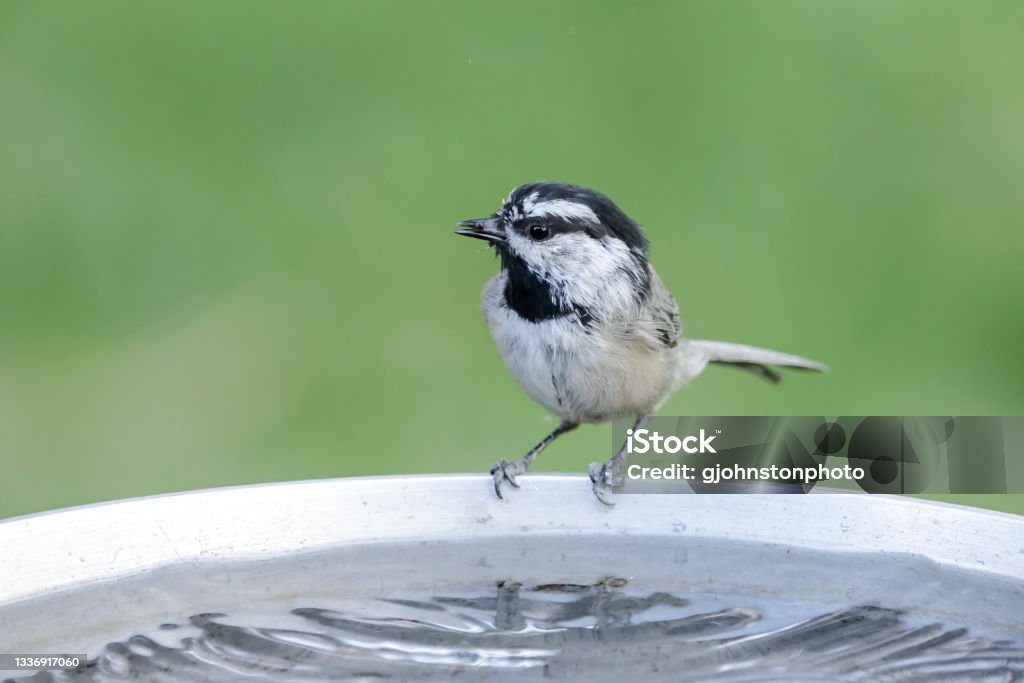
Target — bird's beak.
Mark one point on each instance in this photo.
(483, 229)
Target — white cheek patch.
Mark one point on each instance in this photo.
(582, 270)
(559, 208)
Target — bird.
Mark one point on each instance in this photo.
(584, 323)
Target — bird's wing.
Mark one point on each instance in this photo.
(657, 322)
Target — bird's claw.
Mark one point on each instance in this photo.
(604, 478)
(503, 471)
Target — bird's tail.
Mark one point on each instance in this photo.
(753, 358)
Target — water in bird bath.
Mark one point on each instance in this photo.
(534, 607)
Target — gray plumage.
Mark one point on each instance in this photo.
(583, 321)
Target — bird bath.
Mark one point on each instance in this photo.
(428, 577)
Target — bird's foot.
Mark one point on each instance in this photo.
(503, 471)
(604, 475)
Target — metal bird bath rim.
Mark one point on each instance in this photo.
(50, 551)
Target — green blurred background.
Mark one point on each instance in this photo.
(226, 250)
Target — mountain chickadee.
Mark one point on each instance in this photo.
(583, 321)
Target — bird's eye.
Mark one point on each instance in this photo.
(539, 232)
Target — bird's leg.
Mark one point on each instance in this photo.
(606, 475)
(504, 470)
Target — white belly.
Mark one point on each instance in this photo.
(578, 375)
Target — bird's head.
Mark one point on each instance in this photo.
(565, 247)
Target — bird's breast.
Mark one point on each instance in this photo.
(581, 372)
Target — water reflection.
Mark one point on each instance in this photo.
(531, 631)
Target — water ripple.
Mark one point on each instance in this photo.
(518, 631)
